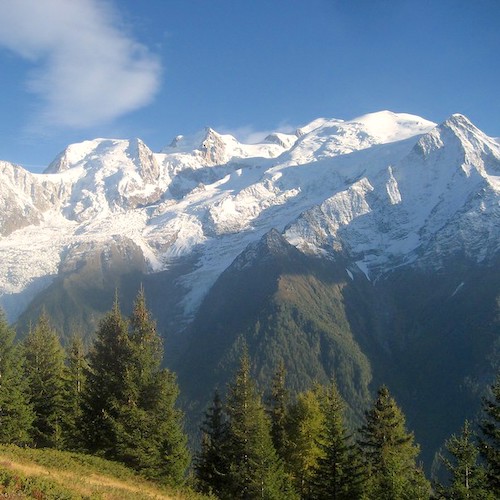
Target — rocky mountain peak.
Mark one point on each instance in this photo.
(354, 187)
(271, 246)
(213, 148)
(145, 160)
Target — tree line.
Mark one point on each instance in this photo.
(116, 401)
(287, 448)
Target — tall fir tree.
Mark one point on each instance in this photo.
(255, 469)
(277, 409)
(390, 453)
(467, 476)
(304, 424)
(489, 442)
(46, 375)
(77, 368)
(16, 414)
(338, 474)
(130, 400)
(212, 464)
(153, 442)
(107, 385)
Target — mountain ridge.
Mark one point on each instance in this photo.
(332, 186)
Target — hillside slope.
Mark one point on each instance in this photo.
(432, 336)
(30, 473)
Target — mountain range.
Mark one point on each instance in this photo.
(365, 249)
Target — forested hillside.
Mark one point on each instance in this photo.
(258, 439)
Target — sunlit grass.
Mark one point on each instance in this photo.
(52, 474)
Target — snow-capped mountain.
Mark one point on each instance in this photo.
(384, 189)
(367, 250)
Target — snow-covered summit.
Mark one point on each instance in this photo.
(324, 138)
(384, 189)
(386, 126)
(427, 204)
(211, 148)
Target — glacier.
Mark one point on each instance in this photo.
(384, 190)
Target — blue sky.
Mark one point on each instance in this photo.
(158, 68)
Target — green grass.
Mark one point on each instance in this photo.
(52, 474)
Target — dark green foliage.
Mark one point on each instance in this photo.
(77, 369)
(278, 402)
(156, 422)
(390, 453)
(490, 441)
(16, 414)
(212, 463)
(444, 346)
(46, 375)
(285, 306)
(338, 474)
(107, 384)
(407, 330)
(130, 401)
(255, 470)
(467, 476)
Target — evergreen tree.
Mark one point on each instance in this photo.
(390, 453)
(46, 375)
(468, 477)
(489, 444)
(211, 464)
(130, 401)
(255, 470)
(337, 475)
(107, 385)
(278, 403)
(152, 441)
(16, 414)
(304, 424)
(77, 369)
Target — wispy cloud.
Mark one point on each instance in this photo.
(87, 68)
(247, 134)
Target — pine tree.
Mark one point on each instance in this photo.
(337, 475)
(489, 444)
(16, 414)
(390, 453)
(77, 369)
(255, 469)
(211, 463)
(153, 440)
(278, 403)
(130, 400)
(46, 375)
(304, 424)
(107, 384)
(468, 477)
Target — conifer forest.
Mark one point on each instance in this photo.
(114, 399)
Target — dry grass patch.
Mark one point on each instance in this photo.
(46, 474)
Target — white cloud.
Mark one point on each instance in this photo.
(88, 70)
(247, 134)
